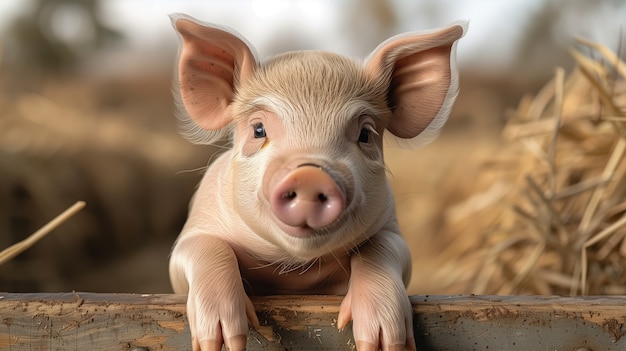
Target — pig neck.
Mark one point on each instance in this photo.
(325, 275)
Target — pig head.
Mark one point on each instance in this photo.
(300, 204)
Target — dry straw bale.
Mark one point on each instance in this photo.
(552, 219)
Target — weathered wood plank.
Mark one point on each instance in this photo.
(87, 321)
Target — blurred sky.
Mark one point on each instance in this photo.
(276, 25)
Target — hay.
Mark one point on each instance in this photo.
(17, 248)
(553, 218)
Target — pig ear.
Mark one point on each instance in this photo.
(213, 62)
(423, 81)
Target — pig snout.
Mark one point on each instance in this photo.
(306, 198)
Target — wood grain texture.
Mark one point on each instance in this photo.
(88, 321)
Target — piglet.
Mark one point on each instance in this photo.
(300, 204)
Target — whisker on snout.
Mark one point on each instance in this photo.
(193, 170)
(339, 263)
(310, 265)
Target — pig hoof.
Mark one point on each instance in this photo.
(381, 320)
(366, 346)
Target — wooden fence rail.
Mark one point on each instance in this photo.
(88, 321)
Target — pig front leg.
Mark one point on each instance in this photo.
(377, 301)
(205, 268)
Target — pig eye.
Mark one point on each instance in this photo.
(259, 131)
(364, 136)
(366, 132)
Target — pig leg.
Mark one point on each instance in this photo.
(205, 268)
(377, 301)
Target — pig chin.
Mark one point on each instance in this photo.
(307, 243)
(307, 232)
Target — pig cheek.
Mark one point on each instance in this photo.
(371, 198)
(252, 146)
(248, 199)
(248, 165)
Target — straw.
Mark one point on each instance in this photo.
(17, 248)
(560, 225)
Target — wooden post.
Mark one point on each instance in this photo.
(95, 322)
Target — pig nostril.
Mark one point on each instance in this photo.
(290, 195)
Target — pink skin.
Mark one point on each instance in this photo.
(306, 199)
(300, 204)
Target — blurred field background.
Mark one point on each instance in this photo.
(86, 114)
